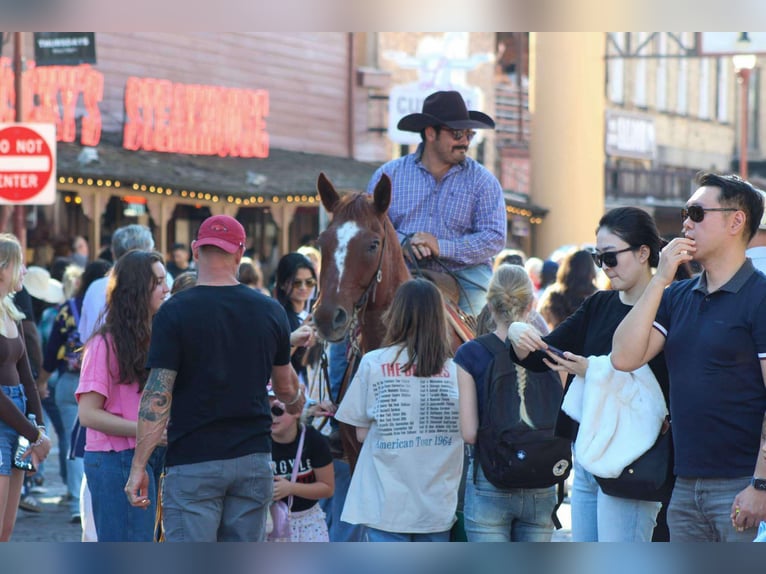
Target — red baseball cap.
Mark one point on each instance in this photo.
(222, 231)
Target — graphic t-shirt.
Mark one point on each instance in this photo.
(315, 454)
(408, 472)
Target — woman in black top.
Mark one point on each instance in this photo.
(627, 247)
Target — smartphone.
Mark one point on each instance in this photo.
(556, 351)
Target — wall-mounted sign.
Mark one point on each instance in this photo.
(28, 164)
(164, 116)
(54, 95)
(65, 48)
(630, 135)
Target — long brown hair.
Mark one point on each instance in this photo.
(416, 320)
(128, 316)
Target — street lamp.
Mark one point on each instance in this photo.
(744, 62)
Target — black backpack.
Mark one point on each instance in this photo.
(516, 445)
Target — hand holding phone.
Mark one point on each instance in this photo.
(556, 351)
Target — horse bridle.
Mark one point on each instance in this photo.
(361, 303)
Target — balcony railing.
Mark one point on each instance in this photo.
(512, 119)
(660, 185)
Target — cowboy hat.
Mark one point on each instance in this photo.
(41, 285)
(445, 109)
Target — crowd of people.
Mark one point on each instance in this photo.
(194, 382)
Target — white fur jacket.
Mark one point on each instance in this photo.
(620, 415)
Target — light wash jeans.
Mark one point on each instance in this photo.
(375, 535)
(700, 510)
(598, 517)
(9, 437)
(472, 297)
(513, 515)
(67, 406)
(218, 500)
(338, 530)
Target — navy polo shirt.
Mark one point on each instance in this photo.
(714, 344)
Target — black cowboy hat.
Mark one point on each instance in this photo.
(445, 109)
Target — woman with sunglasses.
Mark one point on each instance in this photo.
(315, 479)
(627, 248)
(295, 284)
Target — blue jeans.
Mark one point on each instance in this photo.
(67, 406)
(218, 500)
(598, 517)
(473, 297)
(375, 535)
(116, 520)
(338, 530)
(700, 510)
(513, 515)
(53, 419)
(9, 437)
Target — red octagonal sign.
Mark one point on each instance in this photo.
(28, 163)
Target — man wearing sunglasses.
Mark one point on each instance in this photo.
(213, 350)
(713, 332)
(446, 203)
(756, 249)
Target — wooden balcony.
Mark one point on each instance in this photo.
(512, 119)
(660, 186)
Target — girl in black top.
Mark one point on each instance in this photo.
(627, 247)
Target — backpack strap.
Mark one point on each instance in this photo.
(74, 311)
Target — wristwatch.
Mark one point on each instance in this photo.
(758, 483)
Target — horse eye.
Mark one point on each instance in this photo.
(374, 246)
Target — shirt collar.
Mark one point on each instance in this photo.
(734, 284)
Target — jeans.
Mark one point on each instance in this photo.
(375, 535)
(700, 510)
(598, 517)
(507, 515)
(473, 297)
(53, 417)
(338, 530)
(218, 500)
(116, 520)
(9, 437)
(67, 406)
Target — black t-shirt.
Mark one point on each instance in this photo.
(222, 342)
(315, 454)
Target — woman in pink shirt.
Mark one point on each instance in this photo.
(112, 377)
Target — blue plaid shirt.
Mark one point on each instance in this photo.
(465, 211)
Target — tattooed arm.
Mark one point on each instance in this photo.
(153, 415)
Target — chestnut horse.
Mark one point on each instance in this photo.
(362, 266)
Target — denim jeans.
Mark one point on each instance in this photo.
(700, 510)
(338, 530)
(472, 297)
(9, 437)
(53, 419)
(67, 406)
(375, 535)
(513, 515)
(598, 517)
(116, 520)
(218, 500)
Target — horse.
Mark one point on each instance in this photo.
(362, 266)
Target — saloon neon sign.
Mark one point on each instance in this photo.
(195, 119)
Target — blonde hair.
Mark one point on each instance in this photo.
(71, 280)
(312, 254)
(10, 255)
(510, 293)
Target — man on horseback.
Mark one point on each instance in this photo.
(448, 206)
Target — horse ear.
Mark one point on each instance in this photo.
(382, 194)
(327, 193)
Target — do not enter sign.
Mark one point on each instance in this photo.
(28, 163)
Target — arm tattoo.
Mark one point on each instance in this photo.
(157, 395)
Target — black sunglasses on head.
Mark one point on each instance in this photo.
(608, 258)
(277, 411)
(697, 213)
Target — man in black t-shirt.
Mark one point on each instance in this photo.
(214, 348)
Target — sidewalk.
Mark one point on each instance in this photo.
(52, 523)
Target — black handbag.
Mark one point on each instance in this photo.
(649, 477)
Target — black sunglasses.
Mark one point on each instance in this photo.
(608, 258)
(277, 411)
(457, 135)
(697, 213)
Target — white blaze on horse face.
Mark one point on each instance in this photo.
(345, 233)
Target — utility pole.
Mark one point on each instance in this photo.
(19, 211)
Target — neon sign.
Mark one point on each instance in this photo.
(195, 119)
(51, 94)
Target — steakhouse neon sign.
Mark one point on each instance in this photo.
(195, 119)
